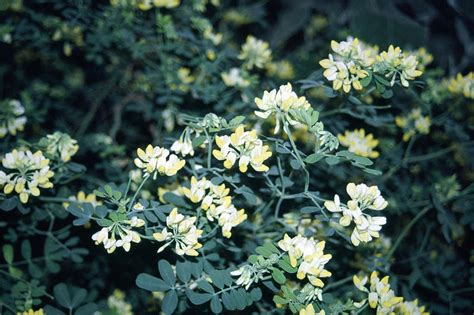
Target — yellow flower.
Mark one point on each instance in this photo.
(255, 53)
(215, 201)
(463, 85)
(379, 294)
(234, 77)
(154, 160)
(411, 308)
(362, 198)
(243, 146)
(182, 231)
(148, 4)
(359, 143)
(423, 56)
(60, 145)
(117, 303)
(393, 62)
(123, 230)
(82, 197)
(32, 312)
(282, 69)
(11, 117)
(279, 103)
(30, 171)
(308, 255)
(412, 123)
(215, 38)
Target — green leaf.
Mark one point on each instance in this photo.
(183, 271)
(263, 251)
(166, 272)
(34, 270)
(61, 293)
(332, 160)
(87, 309)
(228, 301)
(78, 297)
(313, 158)
(216, 305)
(280, 300)
(236, 120)
(256, 294)
(8, 253)
(372, 171)
(362, 160)
(196, 142)
(170, 302)
(198, 298)
(217, 278)
(285, 265)
(206, 286)
(354, 100)
(387, 94)
(26, 249)
(175, 199)
(278, 276)
(9, 203)
(50, 310)
(151, 283)
(366, 81)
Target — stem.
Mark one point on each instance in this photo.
(405, 231)
(293, 145)
(137, 192)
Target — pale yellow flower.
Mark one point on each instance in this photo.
(244, 147)
(255, 53)
(82, 197)
(28, 172)
(157, 160)
(463, 85)
(359, 143)
(12, 117)
(182, 231)
(32, 312)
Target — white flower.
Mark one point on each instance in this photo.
(362, 198)
(279, 103)
(28, 172)
(182, 231)
(309, 255)
(156, 160)
(234, 78)
(183, 147)
(245, 147)
(255, 53)
(60, 145)
(11, 117)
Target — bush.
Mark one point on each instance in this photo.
(228, 156)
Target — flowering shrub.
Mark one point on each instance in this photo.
(191, 157)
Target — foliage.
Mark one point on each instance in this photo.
(218, 156)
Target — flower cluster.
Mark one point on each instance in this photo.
(422, 55)
(235, 77)
(156, 160)
(352, 60)
(393, 62)
(11, 117)
(59, 145)
(280, 103)
(122, 229)
(362, 198)
(148, 4)
(309, 310)
(413, 123)
(359, 143)
(182, 231)
(411, 308)
(346, 67)
(29, 172)
(217, 203)
(255, 53)
(281, 69)
(116, 302)
(380, 296)
(82, 197)
(308, 255)
(184, 145)
(462, 85)
(243, 146)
